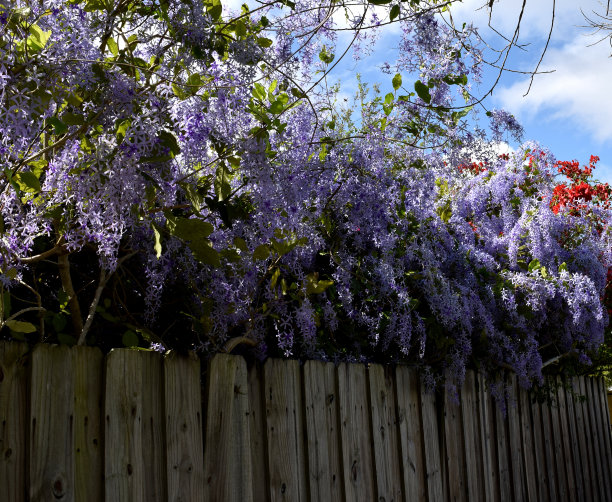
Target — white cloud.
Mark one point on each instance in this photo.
(579, 89)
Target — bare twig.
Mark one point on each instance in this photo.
(73, 302)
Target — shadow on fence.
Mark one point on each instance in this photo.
(138, 426)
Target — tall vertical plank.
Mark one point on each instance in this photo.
(605, 421)
(432, 440)
(565, 440)
(285, 431)
(356, 433)
(257, 431)
(528, 446)
(549, 450)
(13, 420)
(489, 444)
(455, 455)
(52, 425)
(503, 453)
(600, 441)
(471, 436)
(574, 443)
(89, 452)
(183, 415)
(411, 434)
(540, 453)
(588, 469)
(227, 455)
(516, 443)
(385, 434)
(123, 415)
(591, 430)
(560, 460)
(321, 404)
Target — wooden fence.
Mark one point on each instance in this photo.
(132, 426)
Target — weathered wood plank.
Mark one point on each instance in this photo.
(285, 431)
(471, 437)
(52, 425)
(13, 420)
(549, 450)
(559, 454)
(183, 414)
(588, 469)
(257, 431)
(540, 452)
(489, 444)
(519, 483)
(322, 431)
(600, 442)
(356, 433)
(227, 454)
(503, 452)
(529, 461)
(565, 440)
(385, 434)
(574, 443)
(89, 451)
(411, 434)
(455, 455)
(123, 415)
(591, 424)
(432, 436)
(607, 440)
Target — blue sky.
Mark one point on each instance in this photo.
(568, 110)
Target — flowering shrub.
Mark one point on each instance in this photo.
(158, 157)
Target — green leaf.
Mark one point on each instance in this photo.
(563, 267)
(259, 92)
(59, 127)
(379, 2)
(188, 228)
(422, 91)
(264, 42)
(534, 265)
(261, 252)
(27, 182)
(168, 140)
(223, 188)
(20, 326)
(274, 278)
(121, 129)
(157, 246)
(205, 253)
(59, 322)
(314, 286)
(395, 11)
(241, 244)
(455, 80)
(6, 303)
(38, 38)
(397, 81)
(113, 47)
(326, 56)
(130, 339)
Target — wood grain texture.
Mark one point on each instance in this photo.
(432, 432)
(322, 431)
(574, 443)
(89, 451)
(558, 452)
(588, 469)
(599, 441)
(565, 440)
(471, 435)
(123, 439)
(605, 431)
(285, 431)
(52, 445)
(411, 434)
(13, 420)
(486, 413)
(257, 430)
(528, 445)
(385, 434)
(540, 452)
(356, 433)
(455, 455)
(516, 444)
(549, 449)
(503, 453)
(591, 425)
(227, 454)
(183, 415)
